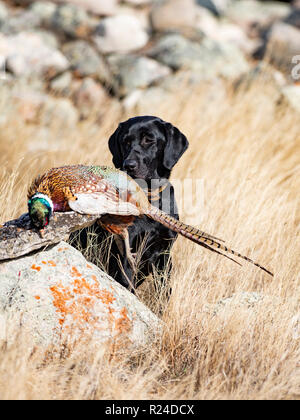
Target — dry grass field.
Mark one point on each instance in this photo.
(245, 145)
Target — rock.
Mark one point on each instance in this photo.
(208, 58)
(292, 94)
(134, 72)
(209, 5)
(27, 55)
(57, 296)
(71, 21)
(252, 12)
(21, 21)
(139, 13)
(174, 14)
(139, 2)
(35, 107)
(58, 113)
(48, 38)
(3, 12)
(89, 98)
(120, 34)
(85, 60)
(241, 300)
(44, 10)
(228, 32)
(61, 84)
(293, 18)
(282, 45)
(98, 7)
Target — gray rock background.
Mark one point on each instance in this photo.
(83, 53)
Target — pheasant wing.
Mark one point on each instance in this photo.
(98, 203)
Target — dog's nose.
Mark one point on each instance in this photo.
(130, 165)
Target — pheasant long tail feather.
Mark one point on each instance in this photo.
(197, 236)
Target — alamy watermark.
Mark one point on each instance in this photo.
(296, 69)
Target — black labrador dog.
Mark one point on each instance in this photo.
(147, 148)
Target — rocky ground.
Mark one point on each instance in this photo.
(74, 56)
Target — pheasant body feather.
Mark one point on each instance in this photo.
(112, 195)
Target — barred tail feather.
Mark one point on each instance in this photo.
(197, 236)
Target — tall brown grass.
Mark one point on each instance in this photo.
(245, 144)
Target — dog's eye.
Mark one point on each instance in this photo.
(147, 140)
(127, 142)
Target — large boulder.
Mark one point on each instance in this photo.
(120, 34)
(26, 54)
(56, 295)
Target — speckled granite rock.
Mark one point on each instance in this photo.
(56, 295)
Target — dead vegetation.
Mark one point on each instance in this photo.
(245, 146)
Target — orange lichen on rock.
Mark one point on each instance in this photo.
(77, 300)
(51, 263)
(35, 267)
(75, 272)
(123, 324)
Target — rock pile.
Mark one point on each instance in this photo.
(86, 52)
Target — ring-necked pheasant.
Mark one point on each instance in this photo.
(115, 197)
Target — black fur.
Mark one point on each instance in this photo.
(147, 148)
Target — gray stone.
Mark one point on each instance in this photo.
(27, 55)
(86, 61)
(250, 12)
(209, 58)
(3, 12)
(134, 72)
(61, 84)
(48, 38)
(20, 21)
(57, 295)
(71, 21)
(44, 9)
(120, 34)
(98, 7)
(174, 14)
(209, 5)
(294, 18)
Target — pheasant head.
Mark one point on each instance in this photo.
(40, 208)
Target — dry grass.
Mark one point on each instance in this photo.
(246, 148)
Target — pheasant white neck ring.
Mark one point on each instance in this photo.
(40, 208)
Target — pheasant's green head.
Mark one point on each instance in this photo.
(40, 210)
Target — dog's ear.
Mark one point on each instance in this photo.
(176, 145)
(115, 148)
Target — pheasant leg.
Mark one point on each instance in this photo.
(123, 242)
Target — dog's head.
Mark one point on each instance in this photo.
(147, 147)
